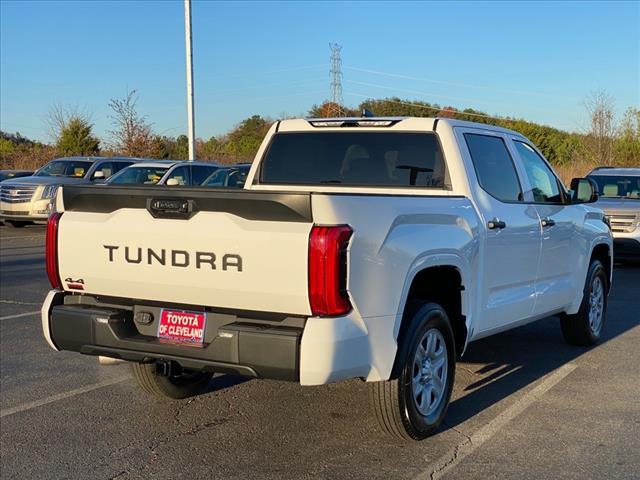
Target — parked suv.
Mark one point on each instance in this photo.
(371, 248)
(619, 197)
(28, 199)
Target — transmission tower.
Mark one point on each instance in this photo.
(336, 81)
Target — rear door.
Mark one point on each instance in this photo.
(559, 258)
(511, 231)
(237, 250)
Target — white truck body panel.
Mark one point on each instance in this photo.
(269, 250)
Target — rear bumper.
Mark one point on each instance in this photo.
(239, 347)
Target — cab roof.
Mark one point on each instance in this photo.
(149, 163)
(95, 159)
(608, 171)
(396, 123)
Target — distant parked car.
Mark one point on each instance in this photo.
(233, 176)
(7, 174)
(164, 172)
(619, 197)
(29, 199)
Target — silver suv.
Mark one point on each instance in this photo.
(29, 199)
(619, 197)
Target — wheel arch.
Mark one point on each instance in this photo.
(603, 253)
(442, 280)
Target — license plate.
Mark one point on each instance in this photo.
(181, 326)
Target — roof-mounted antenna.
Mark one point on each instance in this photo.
(366, 113)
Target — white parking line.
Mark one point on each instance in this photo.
(20, 315)
(452, 458)
(20, 238)
(61, 396)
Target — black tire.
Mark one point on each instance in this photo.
(15, 223)
(187, 384)
(577, 329)
(393, 401)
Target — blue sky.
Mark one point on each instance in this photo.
(534, 60)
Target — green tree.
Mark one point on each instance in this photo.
(245, 139)
(627, 144)
(76, 138)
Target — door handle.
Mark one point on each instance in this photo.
(495, 223)
(547, 222)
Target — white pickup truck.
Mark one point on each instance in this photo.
(371, 248)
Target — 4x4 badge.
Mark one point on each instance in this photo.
(75, 284)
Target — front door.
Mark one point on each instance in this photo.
(555, 283)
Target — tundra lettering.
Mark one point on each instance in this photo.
(179, 258)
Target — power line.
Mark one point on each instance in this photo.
(460, 85)
(307, 81)
(336, 81)
(418, 92)
(255, 74)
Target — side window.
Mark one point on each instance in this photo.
(106, 168)
(181, 174)
(238, 178)
(544, 183)
(199, 173)
(117, 166)
(494, 167)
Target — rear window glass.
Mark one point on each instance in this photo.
(354, 158)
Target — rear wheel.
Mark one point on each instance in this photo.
(413, 405)
(585, 327)
(185, 384)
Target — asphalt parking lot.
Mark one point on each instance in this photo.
(525, 406)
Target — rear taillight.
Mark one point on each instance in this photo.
(51, 250)
(328, 270)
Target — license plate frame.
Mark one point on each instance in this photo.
(182, 327)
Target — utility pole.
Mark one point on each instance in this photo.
(336, 80)
(191, 123)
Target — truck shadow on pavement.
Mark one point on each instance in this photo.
(498, 366)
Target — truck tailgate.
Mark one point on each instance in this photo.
(205, 247)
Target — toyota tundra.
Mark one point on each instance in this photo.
(370, 248)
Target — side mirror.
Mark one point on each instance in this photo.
(172, 182)
(583, 190)
(98, 175)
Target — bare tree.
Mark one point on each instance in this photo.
(59, 116)
(602, 128)
(132, 135)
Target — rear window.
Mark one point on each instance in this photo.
(354, 158)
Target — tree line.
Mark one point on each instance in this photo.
(604, 141)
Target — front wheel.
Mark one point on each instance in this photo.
(183, 385)
(413, 405)
(585, 327)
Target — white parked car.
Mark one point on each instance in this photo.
(371, 248)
